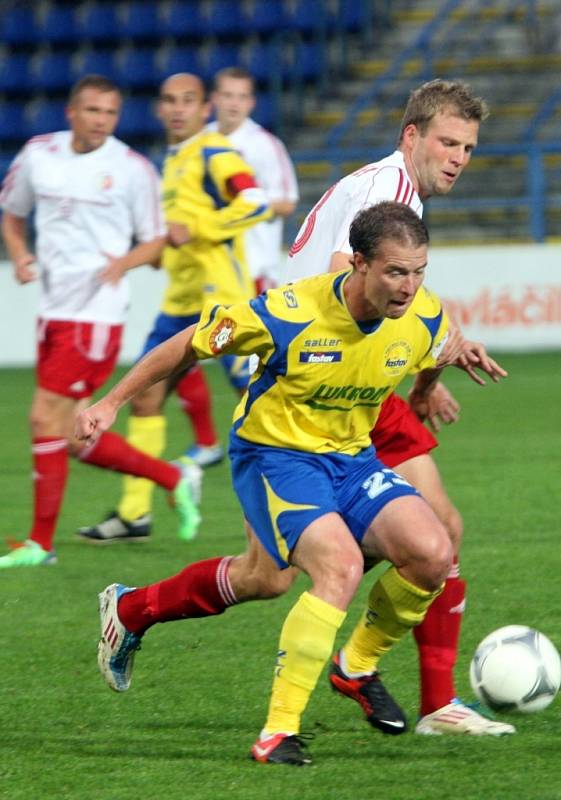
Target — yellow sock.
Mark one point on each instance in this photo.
(149, 435)
(306, 642)
(394, 606)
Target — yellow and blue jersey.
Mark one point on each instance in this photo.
(322, 375)
(208, 187)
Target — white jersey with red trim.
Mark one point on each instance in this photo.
(275, 174)
(88, 206)
(326, 228)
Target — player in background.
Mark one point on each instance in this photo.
(439, 131)
(233, 100)
(92, 196)
(210, 198)
(303, 466)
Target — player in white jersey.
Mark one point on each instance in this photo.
(233, 100)
(93, 197)
(438, 133)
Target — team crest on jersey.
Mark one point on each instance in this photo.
(105, 182)
(290, 298)
(222, 335)
(396, 357)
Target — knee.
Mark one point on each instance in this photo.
(433, 560)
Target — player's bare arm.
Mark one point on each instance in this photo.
(143, 253)
(178, 234)
(14, 233)
(174, 355)
(282, 208)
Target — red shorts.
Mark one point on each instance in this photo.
(75, 358)
(399, 434)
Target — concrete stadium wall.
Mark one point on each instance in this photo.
(508, 297)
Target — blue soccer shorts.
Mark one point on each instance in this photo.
(236, 368)
(282, 491)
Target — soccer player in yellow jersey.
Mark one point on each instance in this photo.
(305, 472)
(210, 198)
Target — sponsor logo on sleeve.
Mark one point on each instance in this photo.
(439, 347)
(290, 298)
(222, 335)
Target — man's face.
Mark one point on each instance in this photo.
(233, 101)
(391, 278)
(93, 116)
(438, 158)
(182, 108)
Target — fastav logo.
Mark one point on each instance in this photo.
(396, 357)
(321, 358)
(222, 335)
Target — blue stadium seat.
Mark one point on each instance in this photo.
(182, 19)
(216, 57)
(309, 61)
(44, 116)
(224, 19)
(140, 19)
(266, 18)
(176, 59)
(98, 22)
(57, 25)
(309, 16)
(265, 111)
(14, 73)
(137, 119)
(136, 68)
(19, 27)
(265, 61)
(94, 62)
(12, 127)
(51, 71)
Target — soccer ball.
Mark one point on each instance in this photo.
(516, 668)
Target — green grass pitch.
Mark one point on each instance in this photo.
(200, 688)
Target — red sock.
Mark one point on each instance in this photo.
(50, 470)
(202, 589)
(113, 452)
(194, 396)
(437, 639)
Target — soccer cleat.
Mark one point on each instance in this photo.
(377, 703)
(281, 748)
(117, 646)
(206, 455)
(457, 718)
(116, 529)
(28, 554)
(185, 497)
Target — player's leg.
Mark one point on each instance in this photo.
(438, 635)
(138, 458)
(399, 600)
(205, 588)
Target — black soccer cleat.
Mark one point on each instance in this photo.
(377, 703)
(282, 748)
(116, 529)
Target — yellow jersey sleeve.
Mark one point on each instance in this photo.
(233, 329)
(232, 213)
(428, 309)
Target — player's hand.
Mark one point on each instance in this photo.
(436, 406)
(474, 356)
(113, 270)
(93, 421)
(178, 234)
(25, 270)
(453, 347)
